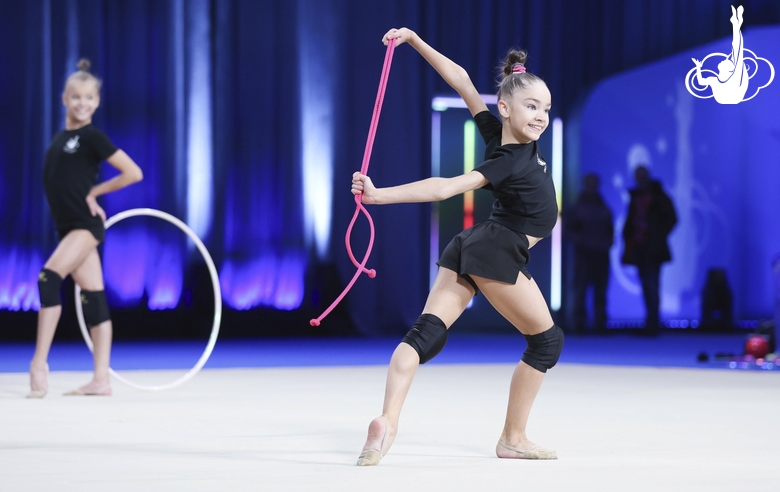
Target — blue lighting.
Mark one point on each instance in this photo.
(264, 281)
(316, 85)
(124, 262)
(718, 164)
(164, 275)
(199, 141)
(19, 269)
(140, 261)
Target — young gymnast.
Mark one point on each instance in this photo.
(490, 257)
(69, 176)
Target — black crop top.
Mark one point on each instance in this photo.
(519, 180)
(71, 170)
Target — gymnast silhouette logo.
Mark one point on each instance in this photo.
(729, 84)
(71, 145)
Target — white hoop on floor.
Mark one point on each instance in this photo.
(214, 280)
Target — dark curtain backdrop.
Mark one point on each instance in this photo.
(228, 104)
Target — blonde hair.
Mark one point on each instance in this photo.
(83, 75)
(512, 79)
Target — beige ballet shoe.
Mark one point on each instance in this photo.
(43, 386)
(84, 391)
(372, 457)
(533, 453)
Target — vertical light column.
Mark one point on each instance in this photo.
(435, 172)
(46, 72)
(469, 148)
(317, 64)
(72, 55)
(199, 141)
(177, 94)
(557, 177)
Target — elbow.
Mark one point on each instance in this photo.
(462, 79)
(136, 175)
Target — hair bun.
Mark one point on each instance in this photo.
(513, 57)
(83, 65)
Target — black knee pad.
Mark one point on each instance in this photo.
(428, 337)
(544, 349)
(95, 307)
(49, 284)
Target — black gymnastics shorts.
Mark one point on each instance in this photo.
(489, 250)
(97, 229)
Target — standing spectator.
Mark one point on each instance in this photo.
(588, 226)
(651, 217)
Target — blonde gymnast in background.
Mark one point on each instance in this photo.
(69, 180)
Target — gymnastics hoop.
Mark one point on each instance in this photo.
(217, 298)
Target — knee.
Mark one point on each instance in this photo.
(49, 285)
(95, 307)
(544, 349)
(427, 337)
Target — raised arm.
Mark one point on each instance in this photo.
(451, 72)
(129, 173)
(426, 190)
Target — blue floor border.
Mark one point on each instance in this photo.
(667, 350)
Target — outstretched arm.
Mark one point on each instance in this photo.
(426, 190)
(451, 72)
(129, 173)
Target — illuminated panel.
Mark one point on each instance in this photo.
(444, 103)
(469, 146)
(435, 171)
(440, 104)
(557, 176)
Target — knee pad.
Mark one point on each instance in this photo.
(95, 307)
(544, 349)
(427, 337)
(49, 284)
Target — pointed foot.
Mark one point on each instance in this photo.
(377, 443)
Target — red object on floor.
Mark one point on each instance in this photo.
(757, 346)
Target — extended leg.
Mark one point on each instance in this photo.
(524, 306)
(70, 253)
(448, 298)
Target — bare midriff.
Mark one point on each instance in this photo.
(532, 240)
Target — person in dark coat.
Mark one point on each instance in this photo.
(588, 225)
(651, 217)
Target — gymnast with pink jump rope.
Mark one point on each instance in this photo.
(490, 257)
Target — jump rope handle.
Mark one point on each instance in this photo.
(359, 208)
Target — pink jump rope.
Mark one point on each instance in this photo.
(361, 267)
